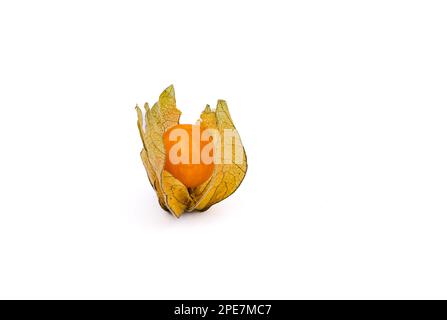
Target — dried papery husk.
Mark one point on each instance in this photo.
(173, 196)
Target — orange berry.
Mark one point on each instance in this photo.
(188, 146)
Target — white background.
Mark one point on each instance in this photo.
(342, 108)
